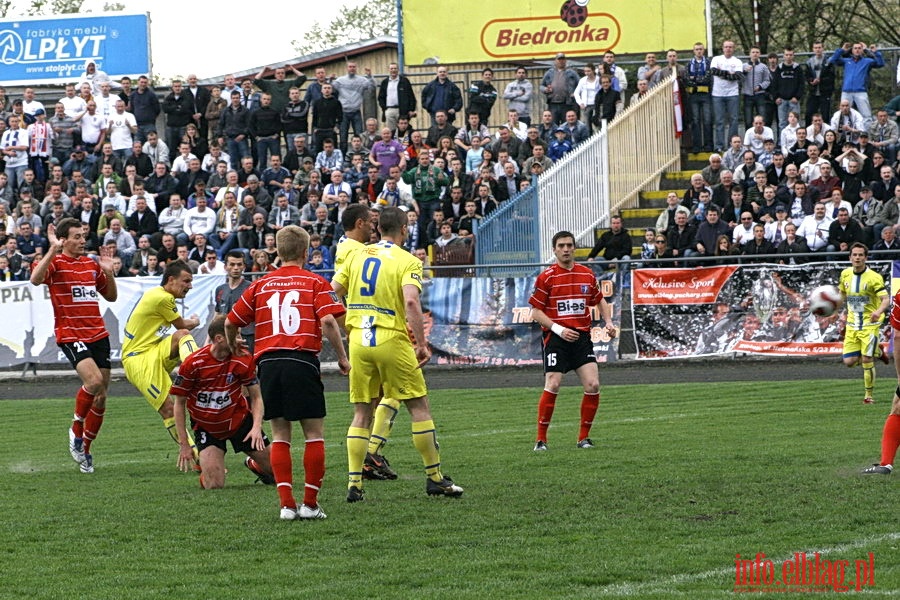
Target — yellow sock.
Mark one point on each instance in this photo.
(169, 424)
(869, 378)
(425, 441)
(357, 442)
(383, 423)
(186, 346)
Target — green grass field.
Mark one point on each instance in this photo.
(684, 477)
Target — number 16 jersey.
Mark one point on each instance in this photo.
(566, 295)
(287, 306)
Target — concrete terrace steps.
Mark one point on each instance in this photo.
(652, 202)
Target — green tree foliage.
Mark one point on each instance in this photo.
(352, 24)
(798, 23)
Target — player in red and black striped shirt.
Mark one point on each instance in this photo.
(563, 295)
(76, 282)
(209, 385)
(292, 309)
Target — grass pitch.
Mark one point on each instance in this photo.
(683, 478)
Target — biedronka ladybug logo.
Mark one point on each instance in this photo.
(574, 12)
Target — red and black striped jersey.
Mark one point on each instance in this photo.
(75, 285)
(566, 295)
(213, 391)
(287, 306)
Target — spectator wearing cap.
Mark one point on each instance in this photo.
(774, 231)
(560, 146)
(558, 85)
(109, 213)
(867, 212)
(307, 166)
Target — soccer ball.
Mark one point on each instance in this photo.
(825, 300)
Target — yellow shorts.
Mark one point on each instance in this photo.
(391, 365)
(150, 371)
(861, 341)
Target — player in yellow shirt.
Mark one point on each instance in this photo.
(150, 351)
(866, 299)
(382, 283)
(358, 222)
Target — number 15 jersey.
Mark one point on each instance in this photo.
(566, 295)
(374, 277)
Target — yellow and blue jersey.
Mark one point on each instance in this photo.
(374, 277)
(863, 293)
(149, 321)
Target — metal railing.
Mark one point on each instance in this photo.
(608, 171)
(511, 234)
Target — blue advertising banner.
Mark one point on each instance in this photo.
(50, 50)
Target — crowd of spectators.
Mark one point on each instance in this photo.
(231, 164)
(201, 171)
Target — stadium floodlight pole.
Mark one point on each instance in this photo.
(709, 38)
(400, 54)
(756, 22)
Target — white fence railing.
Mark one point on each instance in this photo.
(607, 172)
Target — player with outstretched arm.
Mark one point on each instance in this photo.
(75, 281)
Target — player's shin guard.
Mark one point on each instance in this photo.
(425, 441)
(314, 470)
(92, 426)
(83, 402)
(890, 439)
(169, 424)
(382, 424)
(869, 378)
(589, 405)
(357, 442)
(282, 469)
(186, 346)
(545, 412)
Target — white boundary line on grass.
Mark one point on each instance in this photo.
(665, 585)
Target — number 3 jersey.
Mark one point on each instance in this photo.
(213, 391)
(75, 284)
(374, 277)
(566, 295)
(287, 306)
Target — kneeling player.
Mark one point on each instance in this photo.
(209, 386)
(560, 304)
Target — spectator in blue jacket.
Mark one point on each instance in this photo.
(857, 61)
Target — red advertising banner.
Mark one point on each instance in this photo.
(679, 286)
(750, 309)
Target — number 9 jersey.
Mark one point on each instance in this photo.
(374, 277)
(567, 295)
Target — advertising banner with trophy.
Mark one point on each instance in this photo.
(753, 309)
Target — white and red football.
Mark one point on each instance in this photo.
(825, 300)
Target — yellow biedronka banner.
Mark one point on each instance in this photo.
(477, 31)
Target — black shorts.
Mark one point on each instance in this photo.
(561, 356)
(291, 385)
(78, 351)
(205, 439)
